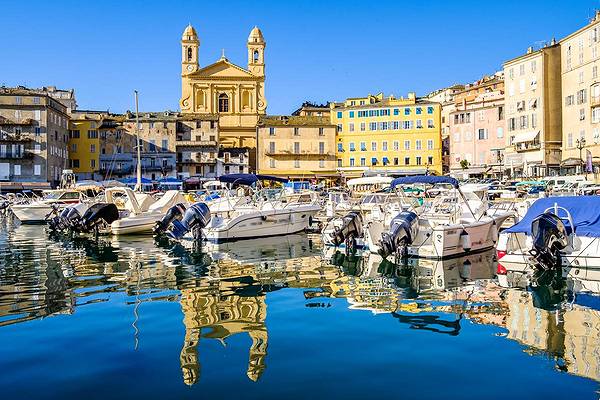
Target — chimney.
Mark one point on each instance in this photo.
(529, 50)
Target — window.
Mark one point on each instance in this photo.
(406, 160)
(350, 127)
(339, 127)
(457, 137)
(296, 147)
(363, 162)
(595, 115)
(363, 126)
(419, 124)
(37, 169)
(339, 114)
(500, 132)
(93, 163)
(533, 66)
(271, 131)
(418, 160)
(406, 124)
(522, 86)
(321, 147)
(396, 145)
(407, 111)
(92, 148)
(352, 146)
(74, 147)
(429, 160)
(38, 131)
(407, 145)
(363, 146)
(373, 161)
(429, 110)
(373, 146)
(418, 110)
(297, 131)
(384, 146)
(418, 144)
(569, 100)
(352, 162)
(223, 103)
(430, 124)
(581, 96)
(271, 147)
(17, 170)
(482, 134)
(340, 147)
(582, 114)
(321, 163)
(152, 145)
(322, 131)
(430, 144)
(522, 69)
(296, 163)
(396, 111)
(339, 162)
(351, 113)
(271, 163)
(372, 126)
(570, 140)
(92, 134)
(165, 144)
(396, 162)
(594, 72)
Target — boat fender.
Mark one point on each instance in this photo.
(465, 241)
(494, 232)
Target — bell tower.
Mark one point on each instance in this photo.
(256, 52)
(189, 50)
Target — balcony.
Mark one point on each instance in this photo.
(594, 101)
(196, 143)
(197, 160)
(7, 122)
(292, 153)
(152, 168)
(27, 155)
(527, 146)
(15, 137)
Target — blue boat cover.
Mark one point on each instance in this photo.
(585, 211)
(249, 179)
(133, 181)
(170, 179)
(426, 179)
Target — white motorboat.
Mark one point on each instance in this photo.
(561, 231)
(454, 223)
(270, 212)
(36, 211)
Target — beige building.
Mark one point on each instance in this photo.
(581, 96)
(236, 94)
(297, 147)
(33, 139)
(446, 99)
(533, 112)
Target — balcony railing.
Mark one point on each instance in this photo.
(197, 143)
(197, 160)
(595, 101)
(301, 153)
(527, 146)
(16, 156)
(15, 137)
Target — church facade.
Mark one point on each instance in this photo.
(234, 93)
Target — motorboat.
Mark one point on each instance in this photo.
(121, 211)
(556, 232)
(269, 212)
(452, 224)
(37, 210)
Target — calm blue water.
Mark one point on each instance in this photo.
(278, 318)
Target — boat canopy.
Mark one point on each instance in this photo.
(584, 210)
(133, 181)
(531, 183)
(426, 179)
(249, 179)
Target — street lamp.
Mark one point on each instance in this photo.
(580, 144)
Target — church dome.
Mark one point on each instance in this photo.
(189, 33)
(256, 36)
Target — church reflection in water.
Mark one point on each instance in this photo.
(223, 291)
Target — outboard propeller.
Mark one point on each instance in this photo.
(175, 212)
(403, 230)
(550, 236)
(97, 215)
(352, 228)
(195, 218)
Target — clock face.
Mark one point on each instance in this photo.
(190, 67)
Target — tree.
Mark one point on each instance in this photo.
(464, 164)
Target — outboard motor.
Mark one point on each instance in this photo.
(195, 218)
(352, 228)
(67, 218)
(403, 230)
(97, 215)
(550, 236)
(175, 212)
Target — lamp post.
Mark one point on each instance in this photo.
(580, 144)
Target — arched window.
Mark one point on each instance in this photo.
(223, 103)
(255, 56)
(189, 54)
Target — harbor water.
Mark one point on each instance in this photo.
(282, 318)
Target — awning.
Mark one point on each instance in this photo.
(526, 137)
(36, 185)
(571, 162)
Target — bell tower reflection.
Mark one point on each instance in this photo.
(212, 311)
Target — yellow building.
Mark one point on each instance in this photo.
(296, 147)
(397, 136)
(84, 143)
(235, 93)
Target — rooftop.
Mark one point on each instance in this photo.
(293, 120)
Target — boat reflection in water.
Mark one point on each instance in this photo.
(222, 294)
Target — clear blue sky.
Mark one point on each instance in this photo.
(316, 50)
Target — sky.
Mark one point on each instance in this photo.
(316, 50)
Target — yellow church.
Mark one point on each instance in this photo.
(235, 93)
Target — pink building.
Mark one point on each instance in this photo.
(477, 129)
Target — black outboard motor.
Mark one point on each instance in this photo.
(550, 236)
(175, 212)
(352, 228)
(403, 231)
(69, 217)
(195, 218)
(97, 215)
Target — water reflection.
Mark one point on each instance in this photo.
(222, 292)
